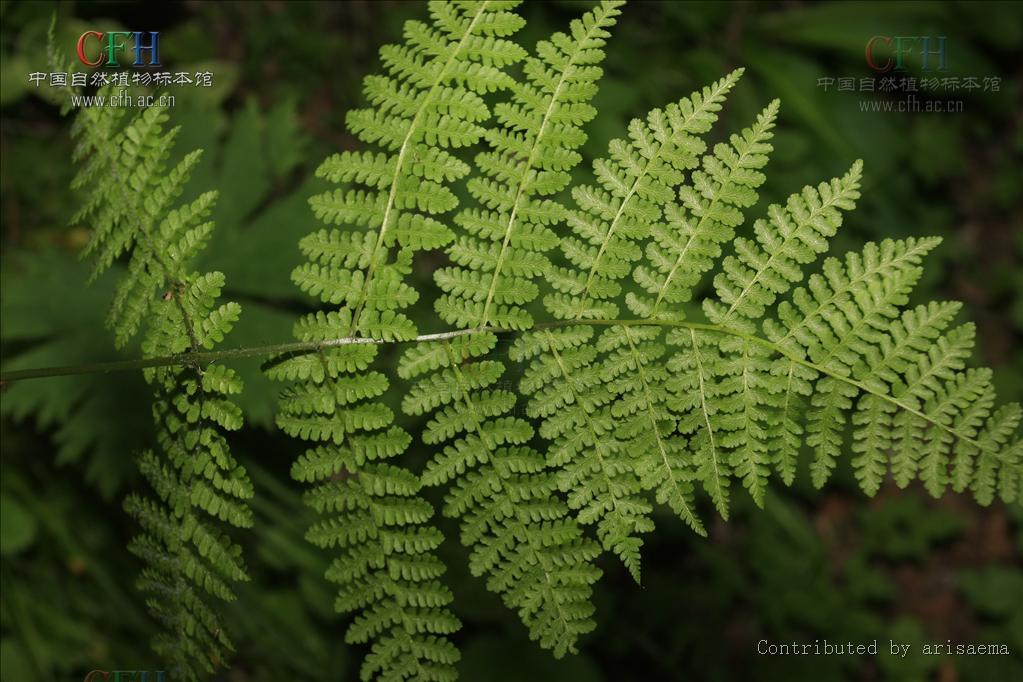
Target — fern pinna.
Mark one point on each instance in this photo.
(521, 534)
(201, 490)
(429, 103)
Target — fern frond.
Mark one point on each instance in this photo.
(783, 360)
(427, 104)
(201, 489)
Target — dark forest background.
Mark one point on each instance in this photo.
(825, 564)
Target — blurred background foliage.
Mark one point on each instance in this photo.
(815, 565)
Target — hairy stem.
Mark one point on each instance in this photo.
(313, 346)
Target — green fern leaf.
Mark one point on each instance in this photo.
(567, 394)
(520, 534)
(835, 321)
(696, 391)
(533, 148)
(783, 359)
(785, 421)
(636, 183)
(634, 370)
